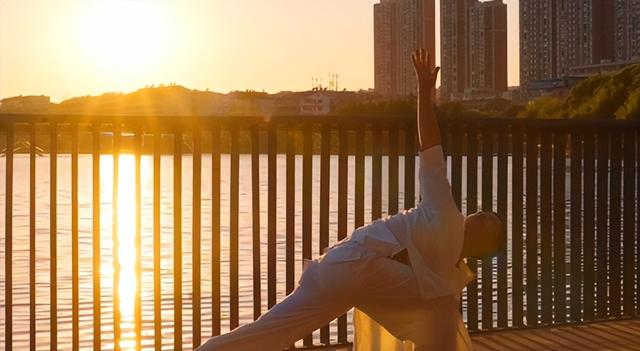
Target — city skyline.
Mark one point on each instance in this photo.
(65, 49)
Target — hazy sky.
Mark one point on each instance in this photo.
(66, 48)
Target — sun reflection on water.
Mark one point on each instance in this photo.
(127, 254)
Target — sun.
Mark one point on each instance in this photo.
(121, 36)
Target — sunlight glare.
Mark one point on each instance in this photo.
(123, 36)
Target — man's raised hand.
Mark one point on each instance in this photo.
(422, 64)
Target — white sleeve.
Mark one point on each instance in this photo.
(435, 189)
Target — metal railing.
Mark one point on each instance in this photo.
(568, 190)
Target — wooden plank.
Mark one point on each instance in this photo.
(503, 188)
(393, 171)
(53, 231)
(324, 205)
(95, 239)
(376, 174)
(409, 168)
(271, 218)
(196, 316)
(342, 211)
(177, 240)
(559, 223)
(602, 229)
(216, 314)
(517, 228)
(290, 240)
(546, 241)
(8, 242)
(32, 236)
(615, 223)
(138, 239)
(157, 242)
(75, 259)
(487, 205)
(255, 222)
(307, 209)
(115, 239)
(576, 227)
(456, 164)
(359, 181)
(234, 233)
(629, 213)
(472, 207)
(589, 227)
(532, 227)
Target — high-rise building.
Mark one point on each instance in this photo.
(559, 37)
(473, 47)
(400, 26)
(488, 47)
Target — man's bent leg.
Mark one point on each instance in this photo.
(296, 316)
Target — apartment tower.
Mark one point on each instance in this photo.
(400, 26)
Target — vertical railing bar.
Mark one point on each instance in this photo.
(32, 236)
(576, 227)
(307, 209)
(637, 219)
(8, 241)
(545, 235)
(517, 251)
(487, 205)
(532, 227)
(359, 181)
(376, 174)
(95, 239)
(472, 207)
(629, 212)
(196, 232)
(177, 240)
(53, 230)
(503, 183)
(324, 206)
(457, 133)
(157, 253)
(393, 171)
(75, 296)
(271, 218)
(615, 213)
(115, 239)
(138, 238)
(234, 233)
(255, 221)
(410, 168)
(342, 212)
(602, 229)
(589, 227)
(215, 232)
(559, 222)
(290, 212)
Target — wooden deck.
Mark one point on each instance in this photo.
(615, 335)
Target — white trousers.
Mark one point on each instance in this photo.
(350, 275)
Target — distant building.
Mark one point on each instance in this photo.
(24, 104)
(560, 38)
(488, 46)
(314, 103)
(556, 87)
(400, 26)
(473, 49)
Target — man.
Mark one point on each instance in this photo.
(405, 272)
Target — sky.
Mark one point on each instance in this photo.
(67, 48)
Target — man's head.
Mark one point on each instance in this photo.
(484, 235)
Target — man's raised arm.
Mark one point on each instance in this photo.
(428, 129)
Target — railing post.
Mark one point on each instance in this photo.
(8, 241)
